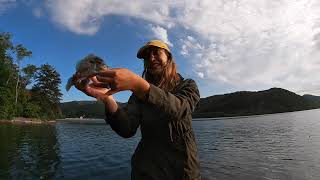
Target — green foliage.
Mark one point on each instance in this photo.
(42, 101)
(5, 44)
(7, 109)
(28, 75)
(274, 100)
(47, 83)
(88, 109)
(21, 52)
(7, 68)
(31, 110)
(46, 92)
(4, 73)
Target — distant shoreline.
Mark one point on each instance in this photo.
(82, 121)
(22, 120)
(197, 119)
(248, 116)
(79, 118)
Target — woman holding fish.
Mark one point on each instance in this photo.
(161, 103)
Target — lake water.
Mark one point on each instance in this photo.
(280, 146)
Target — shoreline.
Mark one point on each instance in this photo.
(246, 116)
(22, 120)
(84, 120)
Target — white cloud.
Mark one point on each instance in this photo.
(161, 34)
(200, 74)
(84, 17)
(6, 4)
(256, 44)
(244, 43)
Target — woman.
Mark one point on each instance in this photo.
(161, 104)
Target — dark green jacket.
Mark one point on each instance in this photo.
(167, 149)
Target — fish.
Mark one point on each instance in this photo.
(87, 67)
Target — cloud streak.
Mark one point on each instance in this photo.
(246, 44)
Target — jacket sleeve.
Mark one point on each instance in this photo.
(125, 121)
(178, 104)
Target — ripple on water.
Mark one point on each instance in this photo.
(283, 146)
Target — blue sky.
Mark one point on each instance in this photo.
(225, 46)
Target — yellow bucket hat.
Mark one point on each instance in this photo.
(154, 43)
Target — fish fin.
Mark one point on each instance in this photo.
(69, 84)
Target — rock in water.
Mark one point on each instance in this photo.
(87, 67)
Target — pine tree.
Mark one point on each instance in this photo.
(46, 91)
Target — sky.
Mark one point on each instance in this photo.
(224, 45)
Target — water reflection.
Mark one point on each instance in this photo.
(283, 146)
(91, 150)
(28, 151)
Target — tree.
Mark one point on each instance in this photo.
(28, 75)
(42, 101)
(7, 69)
(46, 91)
(5, 44)
(6, 62)
(21, 53)
(6, 103)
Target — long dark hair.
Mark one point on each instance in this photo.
(169, 78)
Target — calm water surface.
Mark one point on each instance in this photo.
(281, 146)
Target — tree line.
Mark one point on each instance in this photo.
(28, 91)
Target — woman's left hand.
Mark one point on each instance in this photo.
(121, 79)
